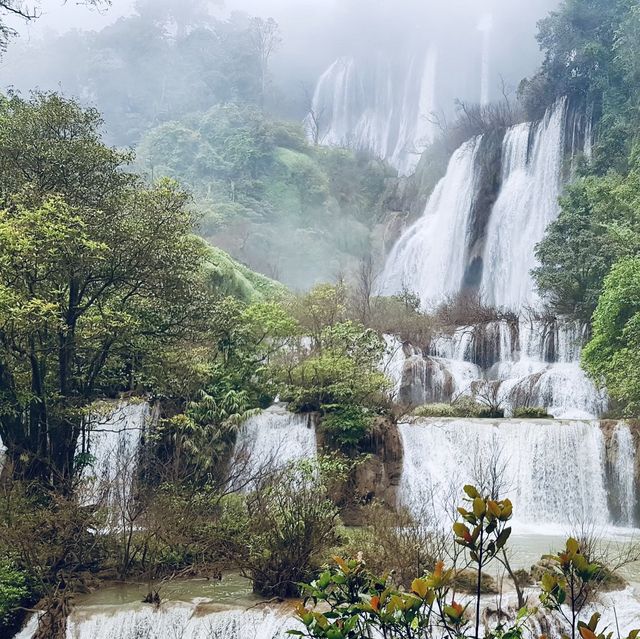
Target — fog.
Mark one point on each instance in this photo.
(314, 32)
(381, 72)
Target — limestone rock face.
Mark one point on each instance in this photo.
(622, 467)
(377, 477)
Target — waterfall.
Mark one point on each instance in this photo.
(429, 257)
(624, 473)
(532, 162)
(534, 363)
(380, 106)
(485, 26)
(554, 472)
(273, 438)
(113, 443)
(174, 620)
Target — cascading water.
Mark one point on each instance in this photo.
(174, 620)
(554, 472)
(535, 362)
(429, 257)
(624, 474)
(383, 108)
(272, 439)
(113, 444)
(532, 159)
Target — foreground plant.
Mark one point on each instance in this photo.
(349, 602)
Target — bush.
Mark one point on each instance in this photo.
(464, 407)
(345, 427)
(15, 592)
(281, 533)
(395, 542)
(531, 412)
(436, 410)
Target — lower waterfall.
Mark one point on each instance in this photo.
(113, 443)
(274, 438)
(553, 471)
(173, 621)
(624, 473)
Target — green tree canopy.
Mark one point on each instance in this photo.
(95, 271)
(599, 223)
(613, 354)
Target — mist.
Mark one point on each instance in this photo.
(315, 32)
(156, 69)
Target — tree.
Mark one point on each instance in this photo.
(266, 39)
(597, 225)
(613, 354)
(28, 12)
(95, 271)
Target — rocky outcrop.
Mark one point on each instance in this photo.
(376, 474)
(614, 466)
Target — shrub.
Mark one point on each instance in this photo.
(465, 407)
(281, 533)
(14, 593)
(345, 426)
(396, 542)
(436, 410)
(531, 412)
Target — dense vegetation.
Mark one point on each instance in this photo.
(592, 57)
(299, 213)
(105, 289)
(109, 287)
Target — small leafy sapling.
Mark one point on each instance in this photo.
(567, 586)
(486, 537)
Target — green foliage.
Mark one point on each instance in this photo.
(613, 354)
(264, 191)
(567, 587)
(597, 225)
(15, 592)
(223, 383)
(401, 315)
(340, 369)
(591, 56)
(436, 410)
(394, 541)
(161, 61)
(96, 272)
(531, 412)
(345, 427)
(230, 278)
(465, 407)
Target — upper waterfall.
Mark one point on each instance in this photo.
(383, 108)
(532, 159)
(430, 256)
